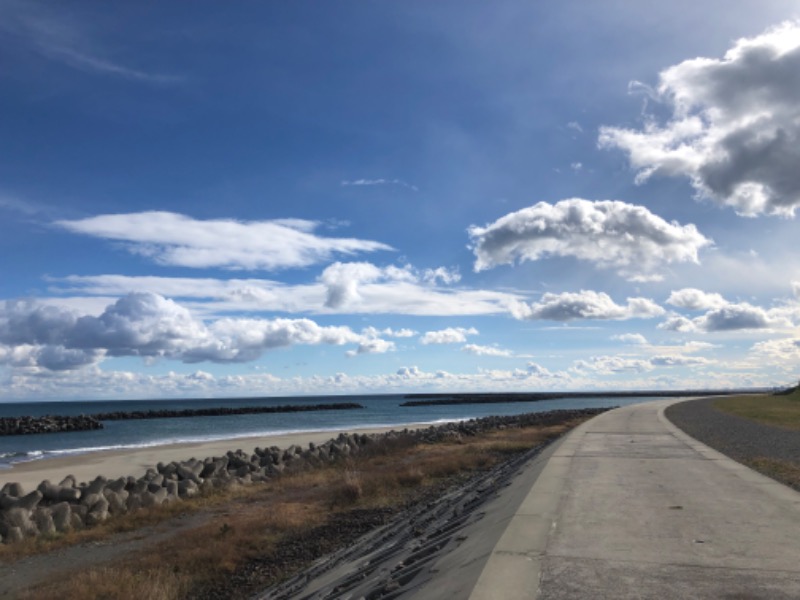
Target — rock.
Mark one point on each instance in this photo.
(134, 501)
(62, 516)
(214, 468)
(172, 488)
(52, 492)
(98, 512)
(117, 501)
(20, 518)
(43, 518)
(185, 472)
(12, 489)
(30, 501)
(188, 488)
(14, 534)
(89, 500)
(68, 481)
(117, 485)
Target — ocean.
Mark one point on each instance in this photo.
(378, 411)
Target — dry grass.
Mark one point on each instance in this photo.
(787, 472)
(778, 411)
(249, 524)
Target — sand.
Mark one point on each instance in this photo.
(118, 463)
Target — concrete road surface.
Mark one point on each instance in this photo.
(628, 506)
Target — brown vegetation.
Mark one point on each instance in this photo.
(246, 539)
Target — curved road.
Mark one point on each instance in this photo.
(628, 506)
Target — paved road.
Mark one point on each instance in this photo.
(628, 506)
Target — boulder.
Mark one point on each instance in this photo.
(12, 489)
(43, 518)
(62, 516)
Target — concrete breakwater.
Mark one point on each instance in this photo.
(51, 508)
(54, 424)
(47, 424)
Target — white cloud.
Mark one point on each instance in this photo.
(151, 326)
(174, 239)
(796, 288)
(612, 365)
(678, 323)
(608, 365)
(451, 335)
(341, 281)
(575, 126)
(443, 274)
(576, 166)
(608, 233)
(365, 289)
(734, 317)
(694, 299)
(671, 360)
(368, 182)
(372, 346)
(487, 351)
(636, 339)
(372, 332)
(586, 304)
(56, 36)
(722, 315)
(785, 350)
(735, 125)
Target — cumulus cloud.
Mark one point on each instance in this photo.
(608, 233)
(721, 315)
(636, 339)
(694, 299)
(151, 326)
(441, 274)
(669, 360)
(451, 335)
(586, 304)
(372, 346)
(612, 365)
(785, 350)
(679, 323)
(175, 239)
(608, 365)
(734, 317)
(487, 351)
(734, 131)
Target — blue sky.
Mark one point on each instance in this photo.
(285, 198)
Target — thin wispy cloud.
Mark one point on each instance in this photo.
(57, 36)
(174, 239)
(370, 182)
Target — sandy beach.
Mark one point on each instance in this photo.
(118, 463)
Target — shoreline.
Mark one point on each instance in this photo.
(116, 463)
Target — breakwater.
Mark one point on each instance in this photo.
(57, 424)
(47, 424)
(435, 399)
(56, 508)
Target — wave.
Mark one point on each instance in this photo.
(9, 458)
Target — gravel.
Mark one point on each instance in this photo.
(741, 439)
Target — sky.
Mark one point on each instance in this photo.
(289, 198)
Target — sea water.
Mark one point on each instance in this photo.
(378, 411)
